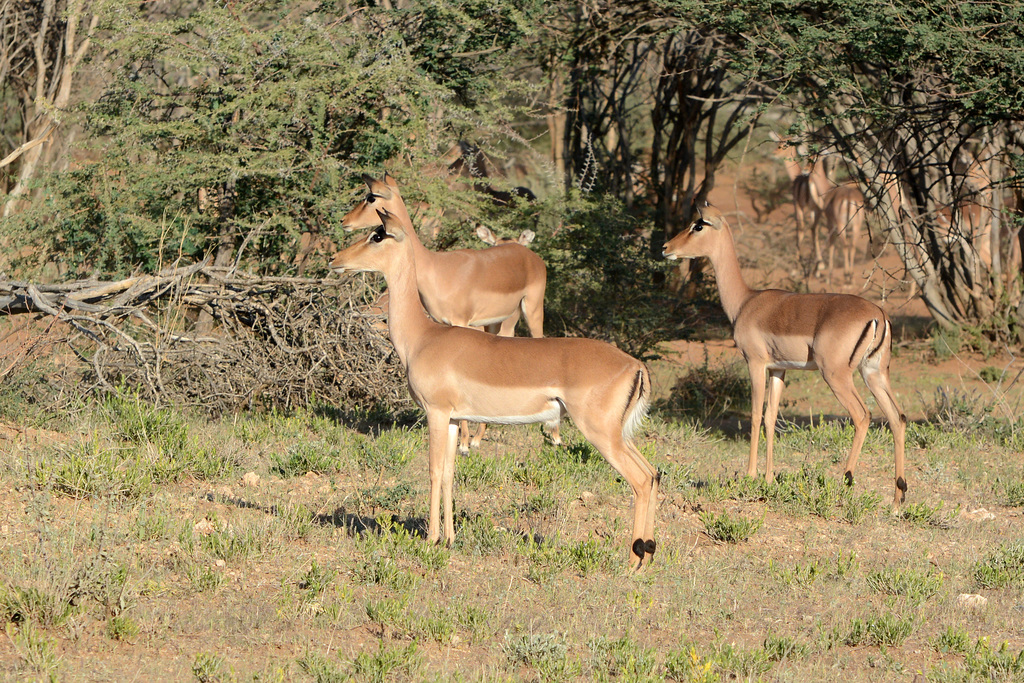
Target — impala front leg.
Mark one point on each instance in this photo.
(776, 382)
(757, 378)
(439, 430)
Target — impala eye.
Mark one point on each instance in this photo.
(378, 235)
(370, 198)
(697, 226)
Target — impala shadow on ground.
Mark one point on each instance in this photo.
(356, 524)
(342, 519)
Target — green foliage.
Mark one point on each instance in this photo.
(387, 663)
(209, 667)
(954, 639)
(153, 446)
(722, 527)
(601, 277)
(1001, 568)
(1013, 493)
(301, 458)
(922, 514)
(916, 585)
(709, 392)
(887, 630)
(46, 608)
(122, 628)
(546, 652)
(267, 110)
(803, 575)
(622, 659)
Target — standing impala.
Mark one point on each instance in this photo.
(778, 331)
(809, 188)
(467, 287)
(844, 217)
(457, 373)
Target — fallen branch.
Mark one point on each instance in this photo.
(276, 341)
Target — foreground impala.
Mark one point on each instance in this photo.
(457, 373)
(778, 331)
(467, 287)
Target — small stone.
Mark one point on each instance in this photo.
(971, 600)
(250, 479)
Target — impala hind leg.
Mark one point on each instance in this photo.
(465, 442)
(625, 459)
(555, 432)
(532, 307)
(840, 381)
(878, 383)
(448, 483)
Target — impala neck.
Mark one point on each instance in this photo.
(732, 290)
(399, 209)
(407, 320)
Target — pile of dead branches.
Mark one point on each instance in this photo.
(222, 340)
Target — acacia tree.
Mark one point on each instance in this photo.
(229, 131)
(42, 45)
(655, 102)
(918, 98)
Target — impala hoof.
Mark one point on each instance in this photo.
(901, 484)
(463, 450)
(639, 548)
(849, 478)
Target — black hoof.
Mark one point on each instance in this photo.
(849, 478)
(901, 484)
(639, 548)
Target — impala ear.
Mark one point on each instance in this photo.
(709, 215)
(391, 224)
(390, 181)
(378, 188)
(526, 237)
(486, 234)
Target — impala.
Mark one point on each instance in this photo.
(457, 373)
(778, 331)
(844, 218)
(485, 288)
(809, 190)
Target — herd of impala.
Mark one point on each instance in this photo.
(459, 374)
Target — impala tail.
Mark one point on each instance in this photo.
(638, 404)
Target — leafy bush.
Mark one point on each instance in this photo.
(601, 277)
(709, 392)
(729, 529)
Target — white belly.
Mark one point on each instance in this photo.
(552, 413)
(792, 365)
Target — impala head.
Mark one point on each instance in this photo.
(700, 238)
(374, 253)
(383, 194)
